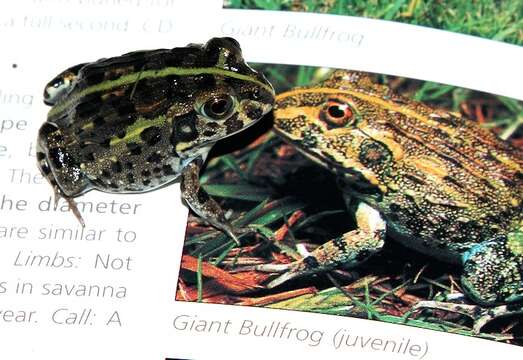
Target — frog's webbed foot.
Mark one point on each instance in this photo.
(349, 249)
(205, 206)
(479, 315)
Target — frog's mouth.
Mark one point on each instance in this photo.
(324, 160)
(350, 176)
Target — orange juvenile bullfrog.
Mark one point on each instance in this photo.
(428, 178)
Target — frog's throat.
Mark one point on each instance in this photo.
(184, 147)
(324, 162)
(151, 74)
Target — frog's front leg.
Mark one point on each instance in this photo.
(493, 278)
(200, 202)
(349, 249)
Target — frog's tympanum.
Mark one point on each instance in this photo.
(430, 179)
(139, 121)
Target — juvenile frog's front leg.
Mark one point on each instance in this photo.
(200, 202)
(349, 249)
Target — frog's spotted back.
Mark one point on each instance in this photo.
(133, 122)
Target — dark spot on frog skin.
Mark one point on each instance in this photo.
(415, 179)
(340, 244)
(184, 128)
(116, 166)
(452, 180)
(488, 156)
(89, 157)
(509, 182)
(157, 170)
(88, 107)
(130, 178)
(309, 140)
(233, 124)
(393, 217)
(129, 165)
(202, 196)
(106, 143)
(151, 135)
(106, 174)
(146, 182)
(121, 133)
(128, 110)
(46, 130)
(92, 78)
(374, 153)
(254, 112)
(168, 170)
(146, 173)
(453, 161)
(98, 121)
(45, 169)
(154, 158)
(134, 148)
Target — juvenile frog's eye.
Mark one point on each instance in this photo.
(336, 114)
(219, 107)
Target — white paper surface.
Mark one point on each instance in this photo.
(136, 248)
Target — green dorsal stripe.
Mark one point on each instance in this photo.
(133, 131)
(150, 74)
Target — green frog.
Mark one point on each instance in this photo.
(140, 121)
(428, 178)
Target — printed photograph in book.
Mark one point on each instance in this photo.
(369, 196)
(495, 20)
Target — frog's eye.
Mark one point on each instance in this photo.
(53, 91)
(336, 114)
(219, 107)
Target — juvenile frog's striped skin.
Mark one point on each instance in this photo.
(431, 179)
(139, 121)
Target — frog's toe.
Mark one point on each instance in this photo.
(235, 233)
(249, 229)
(480, 316)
